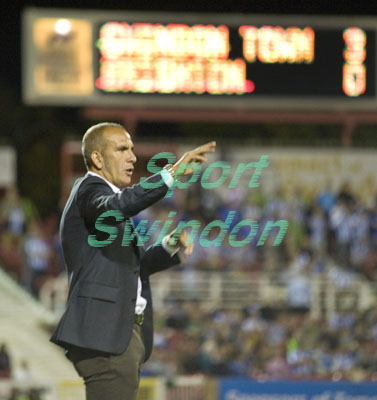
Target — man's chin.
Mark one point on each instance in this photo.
(125, 183)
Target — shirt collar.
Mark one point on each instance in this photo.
(114, 188)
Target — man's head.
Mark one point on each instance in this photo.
(107, 149)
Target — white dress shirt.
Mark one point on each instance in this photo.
(141, 302)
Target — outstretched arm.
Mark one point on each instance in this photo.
(95, 197)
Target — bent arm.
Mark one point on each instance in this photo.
(156, 259)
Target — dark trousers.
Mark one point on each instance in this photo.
(111, 377)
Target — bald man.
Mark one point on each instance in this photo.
(107, 327)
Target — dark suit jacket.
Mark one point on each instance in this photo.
(101, 302)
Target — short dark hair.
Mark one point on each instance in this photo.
(93, 140)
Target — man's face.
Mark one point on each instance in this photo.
(118, 157)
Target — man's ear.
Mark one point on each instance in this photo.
(97, 160)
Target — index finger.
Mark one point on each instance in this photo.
(206, 148)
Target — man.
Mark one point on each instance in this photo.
(107, 327)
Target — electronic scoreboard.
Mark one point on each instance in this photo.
(140, 59)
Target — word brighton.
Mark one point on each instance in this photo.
(141, 234)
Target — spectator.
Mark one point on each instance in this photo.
(317, 226)
(37, 258)
(326, 199)
(277, 367)
(5, 363)
(16, 212)
(299, 291)
(23, 371)
(373, 224)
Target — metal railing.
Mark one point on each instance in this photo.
(235, 290)
(239, 290)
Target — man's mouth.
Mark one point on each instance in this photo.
(129, 171)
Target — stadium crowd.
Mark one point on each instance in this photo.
(264, 344)
(332, 234)
(334, 226)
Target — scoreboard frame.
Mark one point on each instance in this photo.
(95, 18)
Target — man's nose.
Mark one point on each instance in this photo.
(133, 158)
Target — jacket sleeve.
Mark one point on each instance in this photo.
(95, 196)
(156, 259)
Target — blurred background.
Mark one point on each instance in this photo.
(293, 81)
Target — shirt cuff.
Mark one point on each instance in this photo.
(167, 177)
(169, 249)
